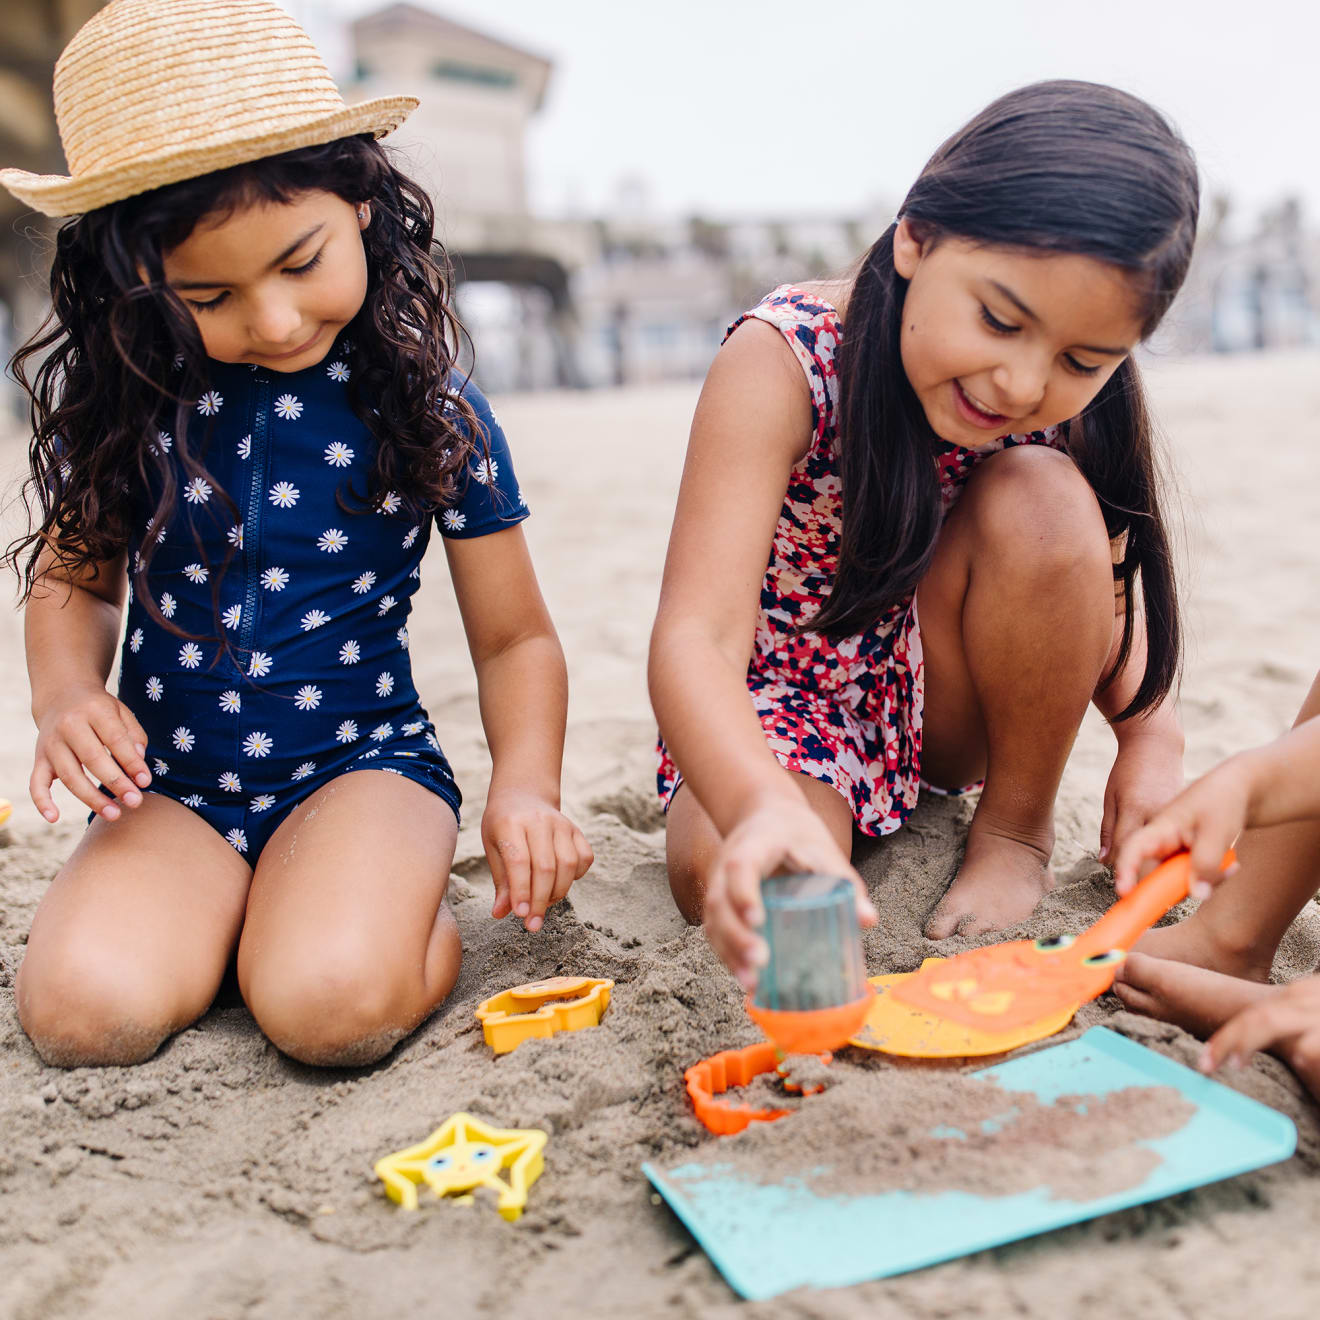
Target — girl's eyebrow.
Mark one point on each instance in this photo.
(283, 257)
(1031, 316)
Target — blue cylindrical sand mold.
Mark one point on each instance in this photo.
(815, 944)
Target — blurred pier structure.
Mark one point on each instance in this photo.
(466, 142)
(1254, 285)
(621, 298)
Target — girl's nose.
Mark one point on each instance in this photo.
(273, 322)
(1021, 385)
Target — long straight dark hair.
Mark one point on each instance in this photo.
(120, 352)
(1061, 167)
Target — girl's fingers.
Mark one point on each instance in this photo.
(566, 862)
(69, 771)
(734, 918)
(43, 775)
(866, 910)
(585, 853)
(1208, 848)
(512, 849)
(541, 845)
(502, 906)
(89, 749)
(1263, 1025)
(1151, 843)
(1107, 828)
(123, 743)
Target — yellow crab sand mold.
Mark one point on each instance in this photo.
(542, 1008)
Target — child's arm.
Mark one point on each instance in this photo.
(1268, 785)
(535, 852)
(71, 627)
(752, 424)
(1148, 766)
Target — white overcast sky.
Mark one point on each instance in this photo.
(729, 107)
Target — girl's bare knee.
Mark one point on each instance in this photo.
(1033, 504)
(340, 1013)
(84, 1015)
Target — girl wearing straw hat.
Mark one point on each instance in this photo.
(246, 416)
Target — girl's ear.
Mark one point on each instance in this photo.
(908, 249)
(364, 214)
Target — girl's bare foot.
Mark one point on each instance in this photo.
(1195, 998)
(1201, 941)
(999, 884)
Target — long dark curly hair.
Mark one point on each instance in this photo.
(1058, 166)
(120, 356)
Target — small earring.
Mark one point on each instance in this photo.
(362, 213)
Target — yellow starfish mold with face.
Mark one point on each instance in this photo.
(463, 1154)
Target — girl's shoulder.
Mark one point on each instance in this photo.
(812, 326)
(795, 307)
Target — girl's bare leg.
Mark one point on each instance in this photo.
(691, 840)
(1017, 619)
(1238, 928)
(348, 943)
(132, 938)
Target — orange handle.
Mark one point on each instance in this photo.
(1164, 888)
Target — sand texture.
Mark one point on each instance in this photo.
(222, 1180)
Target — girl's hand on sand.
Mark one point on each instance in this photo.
(535, 853)
(1147, 773)
(89, 732)
(778, 837)
(1286, 1022)
(1204, 819)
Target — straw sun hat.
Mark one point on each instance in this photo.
(153, 91)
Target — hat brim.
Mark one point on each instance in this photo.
(62, 194)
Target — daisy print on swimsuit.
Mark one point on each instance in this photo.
(316, 596)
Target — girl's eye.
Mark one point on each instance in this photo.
(307, 267)
(208, 306)
(1079, 367)
(995, 324)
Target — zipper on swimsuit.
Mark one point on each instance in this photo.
(251, 518)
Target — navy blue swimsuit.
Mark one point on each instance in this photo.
(314, 601)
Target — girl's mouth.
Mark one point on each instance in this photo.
(975, 412)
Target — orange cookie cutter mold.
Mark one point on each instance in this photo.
(542, 1009)
(708, 1080)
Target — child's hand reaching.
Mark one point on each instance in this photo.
(777, 837)
(1286, 1021)
(1204, 819)
(1147, 773)
(89, 732)
(535, 854)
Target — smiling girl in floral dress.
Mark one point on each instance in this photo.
(920, 528)
(246, 417)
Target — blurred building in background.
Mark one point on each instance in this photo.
(605, 300)
(621, 297)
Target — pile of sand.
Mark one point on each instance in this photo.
(221, 1180)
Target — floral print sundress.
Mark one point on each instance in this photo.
(846, 713)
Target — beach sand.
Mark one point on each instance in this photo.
(222, 1180)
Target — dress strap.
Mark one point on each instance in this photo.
(813, 330)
